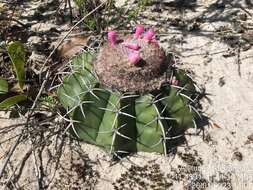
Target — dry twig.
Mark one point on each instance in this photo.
(68, 33)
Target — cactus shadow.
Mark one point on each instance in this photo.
(181, 138)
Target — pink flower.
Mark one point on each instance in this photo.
(131, 46)
(112, 35)
(134, 58)
(174, 81)
(138, 31)
(149, 35)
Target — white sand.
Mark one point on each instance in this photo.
(231, 108)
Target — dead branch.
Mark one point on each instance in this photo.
(11, 151)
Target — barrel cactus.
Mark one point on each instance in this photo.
(129, 96)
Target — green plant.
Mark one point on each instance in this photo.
(129, 97)
(48, 101)
(85, 6)
(133, 13)
(3, 86)
(109, 14)
(121, 16)
(17, 56)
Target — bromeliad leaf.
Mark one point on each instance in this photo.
(17, 55)
(3, 86)
(11, 101)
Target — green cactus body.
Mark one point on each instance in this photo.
(123, 122)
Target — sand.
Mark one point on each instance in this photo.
(221, 159)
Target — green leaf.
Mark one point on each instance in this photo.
(3, 86)
(17, 55)
(9, 102)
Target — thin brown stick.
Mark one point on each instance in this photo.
(10, 128)
(19, 167)
(242, 8)
(70, 11)
(7, 140)
(238, 61)
(13, 148)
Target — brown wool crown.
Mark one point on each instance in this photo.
(132, 63)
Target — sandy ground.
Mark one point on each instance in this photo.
(222, 159)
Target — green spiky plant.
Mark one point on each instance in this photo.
(129, 97)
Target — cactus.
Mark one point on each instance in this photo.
(129, 97)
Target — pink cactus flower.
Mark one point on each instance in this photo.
(138, 31)
(131, 46)
(112, 36)
(134, 58)
(149, 35)
(174, 81)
